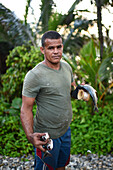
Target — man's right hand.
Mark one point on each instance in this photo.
(34, 138)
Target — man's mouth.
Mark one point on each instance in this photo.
(56, 57)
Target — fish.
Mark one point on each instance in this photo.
(48, 146)
(81, 93)
(92, 93)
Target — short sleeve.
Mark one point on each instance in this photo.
(71, 73)
(72, 76)
(30, 85)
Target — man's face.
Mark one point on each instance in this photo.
(52, 50)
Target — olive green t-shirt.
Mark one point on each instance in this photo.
(51, 88)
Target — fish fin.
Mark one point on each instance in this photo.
(47, 154)
(74, 93)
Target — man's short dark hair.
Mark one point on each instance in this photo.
(50, 35)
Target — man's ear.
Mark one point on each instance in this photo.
(62, 46)
(42, 50)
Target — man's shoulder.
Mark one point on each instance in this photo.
(66, 65)
(34, 72)
(37, 67)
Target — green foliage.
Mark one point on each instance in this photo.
(20, 60)
(12, 137)
(92, 132)
(90, 69)
(88, 63)
(13, 141)
(56, 17)
(94, 71)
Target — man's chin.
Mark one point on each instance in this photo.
(56, 60)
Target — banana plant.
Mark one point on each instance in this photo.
(92, 70)
(89, 65)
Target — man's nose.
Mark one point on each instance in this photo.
(55, 50)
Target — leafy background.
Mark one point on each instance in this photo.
(91, 59)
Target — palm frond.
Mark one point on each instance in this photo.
(105, 91)
(79, 25)
(12, 29)
(71, 61)
(106, 67)
(46, 8)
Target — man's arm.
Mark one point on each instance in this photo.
(27, 122)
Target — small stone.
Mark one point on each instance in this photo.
(27, 163)
(5, 162)
(20, 167)
(16, 160)
(11, 159)
(1, 161)
(77, 162)
(86, 163)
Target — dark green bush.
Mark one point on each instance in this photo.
(13, 141)
(92, 132)
(20, 60)
(12, 137)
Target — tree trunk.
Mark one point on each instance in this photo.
(99, 24)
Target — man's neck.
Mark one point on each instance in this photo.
(55, 66)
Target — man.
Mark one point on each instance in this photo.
(49, 83)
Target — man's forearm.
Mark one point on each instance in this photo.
(34, 138)
(27, 123)
(26, 117)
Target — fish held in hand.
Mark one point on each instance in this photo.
(48, 146)
(92, 93)
(79, 94)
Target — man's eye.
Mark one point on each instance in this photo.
(50, 48)
(59, 47)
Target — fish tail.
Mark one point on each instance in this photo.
(95, 108)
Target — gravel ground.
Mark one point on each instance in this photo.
(77, 162)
